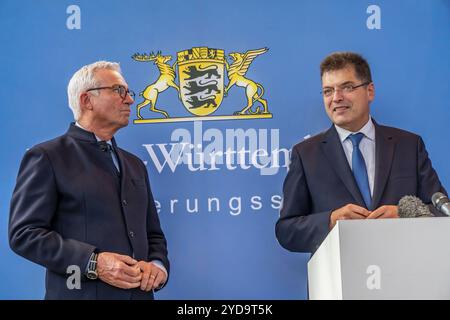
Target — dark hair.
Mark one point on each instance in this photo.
(341, 60)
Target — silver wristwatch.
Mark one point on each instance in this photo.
(91, 271)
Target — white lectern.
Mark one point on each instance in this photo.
(383, 259)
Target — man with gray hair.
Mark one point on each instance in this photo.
(83, 204)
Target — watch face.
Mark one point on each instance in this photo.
(91, 275)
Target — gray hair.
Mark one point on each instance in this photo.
(83, 80)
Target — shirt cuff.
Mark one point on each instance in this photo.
(160, 265)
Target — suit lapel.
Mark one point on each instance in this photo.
(384, 153)
(334, 152)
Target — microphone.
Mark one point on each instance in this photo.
(103, 145)
(441, 202)
(412, 207)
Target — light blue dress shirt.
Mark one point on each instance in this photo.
(367, 147)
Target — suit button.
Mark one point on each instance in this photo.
(124, 202)
(131, 234)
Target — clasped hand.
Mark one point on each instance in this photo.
(125, 272)
(353, 211)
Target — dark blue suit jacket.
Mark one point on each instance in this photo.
(69, 201)
(320, 180)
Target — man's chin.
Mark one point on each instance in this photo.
(341, 121)
(124, 123)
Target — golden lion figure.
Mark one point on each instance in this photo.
(165, 80)
(236, 76)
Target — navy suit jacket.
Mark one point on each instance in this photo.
(320, 180)
(69, 201)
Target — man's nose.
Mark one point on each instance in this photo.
(337, 95)
(129, 99)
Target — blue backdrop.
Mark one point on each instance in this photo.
(219, 220)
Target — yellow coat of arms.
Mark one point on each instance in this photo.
(201, 73)
(201, 87)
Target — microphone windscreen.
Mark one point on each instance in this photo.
(412, 207)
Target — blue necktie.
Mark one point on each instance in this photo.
(106, 147)
(114, 157)
(359, 168)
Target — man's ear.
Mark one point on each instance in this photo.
(371, 91)
(85, 101)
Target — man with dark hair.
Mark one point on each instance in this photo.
(82, 203)
(357, 169)
(341, 60)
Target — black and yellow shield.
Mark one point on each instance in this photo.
(201, 76)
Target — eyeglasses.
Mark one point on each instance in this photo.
(345, 88)
(121, 90)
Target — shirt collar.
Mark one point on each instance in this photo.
(98, 139)
(368, 130)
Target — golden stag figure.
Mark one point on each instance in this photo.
(165, 80)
